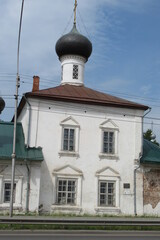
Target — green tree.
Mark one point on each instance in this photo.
(150, 137)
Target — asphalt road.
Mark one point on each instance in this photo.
(80, 235)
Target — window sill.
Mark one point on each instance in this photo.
(68, 154)
(7, 206)
(108, 210)
(66, 208)
(108, 156)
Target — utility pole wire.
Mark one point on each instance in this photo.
(15, 117)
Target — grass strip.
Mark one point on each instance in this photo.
(33, 227)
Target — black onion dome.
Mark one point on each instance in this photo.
(2, 104)
(74, 43)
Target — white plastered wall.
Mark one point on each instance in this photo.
(46, 132)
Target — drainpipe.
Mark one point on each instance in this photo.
(28, 170)
(135, 170)
(135, 189)
(28, 187)
(29, 120)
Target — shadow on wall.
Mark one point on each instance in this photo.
(46, 189)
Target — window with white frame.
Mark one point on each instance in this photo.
(107, 193)
(66, 191)
(109, 139)
(108, 142)
(108, 190)
(5, 189)
(7, 192)
(68, 139)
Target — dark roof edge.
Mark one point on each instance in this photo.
(9, 123)
(90, 102)
(20, 107)
(84, 101)
(5, 158)
(149, 163)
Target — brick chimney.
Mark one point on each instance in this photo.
(35, 84)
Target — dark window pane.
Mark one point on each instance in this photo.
(7, 186)
(7, 192)
(106, 193)
(108, 142)
(66, 133)
(71, 133)
(68, 141)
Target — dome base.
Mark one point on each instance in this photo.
(72, 70)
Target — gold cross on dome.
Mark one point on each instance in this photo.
(75, 8)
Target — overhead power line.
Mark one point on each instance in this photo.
(123, 94)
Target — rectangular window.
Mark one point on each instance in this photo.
(108, 142)
(75, 71)
(107, 193)
(7, 192)
(66, 191)
(69, 139)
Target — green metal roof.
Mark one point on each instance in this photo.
(151, 153)
(6, 144)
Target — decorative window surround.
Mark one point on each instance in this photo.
(107, 174)
(68, 154)
(67, 170)
(68, 173)
(72, 125)
(108, 156)
(7, 192)
(109, 127)
(18, 196)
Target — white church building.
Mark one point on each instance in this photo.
(91, 142)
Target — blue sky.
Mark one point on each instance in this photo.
(126, 48)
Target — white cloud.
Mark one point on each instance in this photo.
(146, 89)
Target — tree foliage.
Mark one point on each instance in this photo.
(150, 137)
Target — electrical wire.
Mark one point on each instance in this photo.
(68, 23)
(84, 24)
(46, 80)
